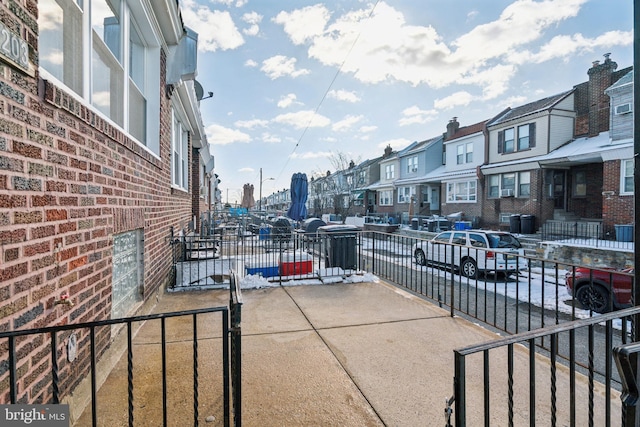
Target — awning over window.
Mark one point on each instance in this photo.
(358, 196)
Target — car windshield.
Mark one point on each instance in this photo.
(503, 240)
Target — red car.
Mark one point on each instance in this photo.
(600, 290)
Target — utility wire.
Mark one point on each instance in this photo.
(315, 112)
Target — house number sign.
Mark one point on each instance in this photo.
(14, 48)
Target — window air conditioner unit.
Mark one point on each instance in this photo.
(507, 192)
(624, 108)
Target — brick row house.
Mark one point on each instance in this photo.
(563, 158)
(103, 161)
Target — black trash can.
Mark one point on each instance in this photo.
(514, 223)
(415, 222)
(528, 224)
(340, 245)
(431, 225)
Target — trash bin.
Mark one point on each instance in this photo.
(431, 225)
(624, 232)
(264, 232)
(462, 225)
(514, 223)
(528, 224)
(340, 245)
(415, 222)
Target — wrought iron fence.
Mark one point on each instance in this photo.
(593, 234)
(76, 351)
(538, 395)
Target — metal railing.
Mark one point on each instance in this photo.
(593, 234)
(75, 352)
(539, 395)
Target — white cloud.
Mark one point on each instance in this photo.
(383, 47)
(564, 46)
(266, 137)
(461, 98)
(347, 123)
(368, 128)
(229, 3)
(247, 169)
(343, 95)
(312, 155)
(251, 124)
(250, 63)
(216, 29)
(304, 24)
(280, 66)
(288, 100)
(220, 135)
(253, 19)
(414, 115)
(302, 119)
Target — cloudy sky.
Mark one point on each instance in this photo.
(297, 82)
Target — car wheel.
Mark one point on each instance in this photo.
(593, 297)
(420, 258)
(468, 268)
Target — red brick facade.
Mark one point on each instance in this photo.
(69, 181)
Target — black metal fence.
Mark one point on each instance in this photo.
(539, 395)
(594, 234)
(75, 352)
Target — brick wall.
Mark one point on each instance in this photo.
(616, 209)
(589, 206)
(68, 182)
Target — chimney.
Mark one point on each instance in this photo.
(452, 128)
(600, 78)
(387, 151)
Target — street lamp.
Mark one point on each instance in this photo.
(260, 195)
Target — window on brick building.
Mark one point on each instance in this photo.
(113, 64)
(179, 152)
(579, 183)
(461, 191)
(626, 170)
(127, 272)
(385, 197)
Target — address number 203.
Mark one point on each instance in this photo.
(13, 47)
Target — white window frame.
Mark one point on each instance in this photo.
(179, 152)
(389, 172)
(464, 153)
(412, 164)
(626, 178)
(405, 194)
(462, 191)
(78, 71)
(519, 178)
(385, 198)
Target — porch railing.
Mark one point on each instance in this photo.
(589, 233)
(75, 352)
(535, 396)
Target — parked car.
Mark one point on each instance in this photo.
(474, 252)
(600, 290)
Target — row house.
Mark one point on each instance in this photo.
(103, 162)
(384, 188)
(547, 158)
(464, 152)
(415, 194)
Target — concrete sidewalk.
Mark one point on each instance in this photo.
(366, 354)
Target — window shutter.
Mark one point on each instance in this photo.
(532, 135)
(500, 141)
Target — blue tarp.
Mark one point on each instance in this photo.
(299, 192)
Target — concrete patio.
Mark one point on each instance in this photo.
(359, 354)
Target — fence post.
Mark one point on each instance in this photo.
(459, 389)
(453, 291)
(626, 357)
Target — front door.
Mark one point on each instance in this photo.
(435, 199)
